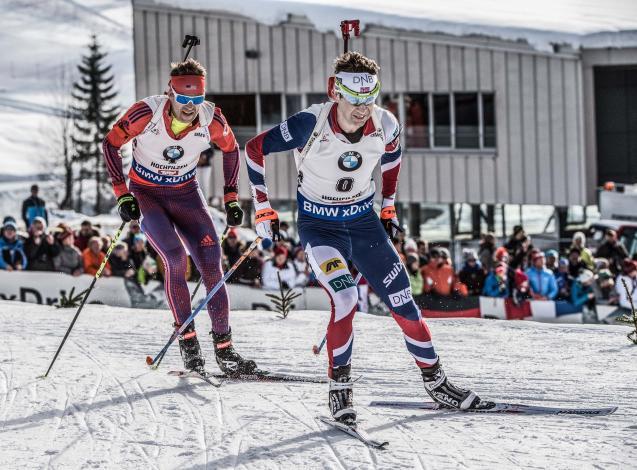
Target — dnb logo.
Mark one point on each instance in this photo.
(350, 161)
(342, 282)
(400, 298)
(331, 265)
(173, 153)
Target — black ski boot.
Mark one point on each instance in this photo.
(445, 393)
(341, 396)
(190, 350)
(229, 360)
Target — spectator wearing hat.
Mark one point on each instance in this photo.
(521, 286)
(575, 263)
(84, 234)
(133, 229)
(605, 287)
(412, 264)
(301, 267)
(439, 277)
(12, 255)
(486, 251)
(423, 252)
(582, 290)
(563, 280)
(613, 250)
(278, 264)
(552, 258)
(120, 262)
(33, 207)
(579, 241)
(147, 271)
(541, 280)
(519, 246)
(138, 252)
(93, 258)
(40, 247)
(501, 255)
(232, 247)
(249, 272)
(496, 283)
(472, 275)
(69, 259)
(628, 275)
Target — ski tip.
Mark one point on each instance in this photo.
(149, 360)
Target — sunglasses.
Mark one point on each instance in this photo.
(356, 98)
(185, 99)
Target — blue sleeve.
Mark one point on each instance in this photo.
(552, 287)
(292, 133)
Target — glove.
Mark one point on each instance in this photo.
(267, 224)
(390, 221)
(234, 214)
(128, 207)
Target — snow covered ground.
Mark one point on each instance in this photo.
(103, 408)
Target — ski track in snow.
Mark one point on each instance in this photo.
(101, 406)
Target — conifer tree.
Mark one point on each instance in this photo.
(94, 113)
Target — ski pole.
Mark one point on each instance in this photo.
(317, 349)
(88, 292)
(189, 41)
(154, 363)
(194, 292)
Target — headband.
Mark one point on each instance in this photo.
(358, 83)
(191, 85)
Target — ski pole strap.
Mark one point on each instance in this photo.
(388, 212)
(265, 214)
(110, 250)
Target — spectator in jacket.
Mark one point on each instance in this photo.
(579, 241)
(84, 234)
(138, 252)
(628, 275)
(301, 267)
(120, 262)
(563, 280)
(541, 280)
(497, 284)
(147, 271)
(93, 257)
(439, 277)
(33, 207)
(613, 250)
(249, 272)
(40, 247)
(412, 264)
(133, 229)
(472, 275)
(12, 255)
(486, 251)
(232, 247)
(552, 259)
(423, 252)
(582, 290)
(278, 264)
(575, 264)
(69, 259)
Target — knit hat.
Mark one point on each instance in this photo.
(280, 250)
(10, 224)
(500, 253)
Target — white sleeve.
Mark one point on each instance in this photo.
(269, 279)
(391, 127)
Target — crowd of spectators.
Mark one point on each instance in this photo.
(514, 270)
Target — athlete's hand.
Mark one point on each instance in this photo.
(390, 221)
(266, 223)
(234, 214)
(128, 207)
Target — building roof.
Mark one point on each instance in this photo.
(540, 23)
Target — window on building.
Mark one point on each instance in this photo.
(467, 120)
(240, 112)
(442, 120)
(488, 120)
(416, 120)
(316, 98)
(271, 114)
(292, 104)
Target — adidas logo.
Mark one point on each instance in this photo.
(207, 241)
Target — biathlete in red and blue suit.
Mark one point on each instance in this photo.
(168, 133)
(337, 146)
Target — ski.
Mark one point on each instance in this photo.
(267, 376)
(355, 431)
(500, 408)
(206, 376)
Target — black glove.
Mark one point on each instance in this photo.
(234, 214)
(128, 207)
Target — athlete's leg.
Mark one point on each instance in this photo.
(159, 229)
(375, 257)
(197, 231)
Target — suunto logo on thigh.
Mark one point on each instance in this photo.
(342, 282)
(393, 274)
(331, 265)
(400, 298)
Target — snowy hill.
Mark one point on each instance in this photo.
(102, 407)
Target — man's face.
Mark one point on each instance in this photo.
(10, 233)
(280, 259)
(95, 246)
(352, 117)
(85, 229)
(183, 112)
(38, 226)
(610, 237)
(539, 262)
(550, 260)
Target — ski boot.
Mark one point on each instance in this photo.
(190, 350)
(445, 393)
(230, 361)
(341, 396)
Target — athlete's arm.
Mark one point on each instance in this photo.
(290, 134)
(221, 135)
(390, 161)
(132, 123)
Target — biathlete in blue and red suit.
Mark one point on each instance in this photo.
(169, 132)
(337, 146)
